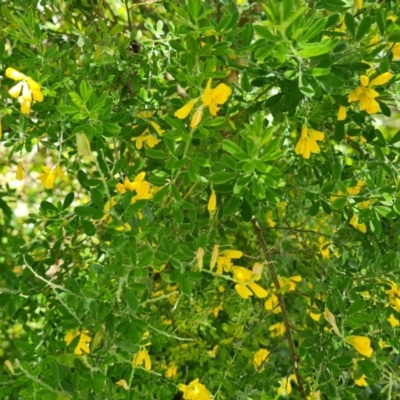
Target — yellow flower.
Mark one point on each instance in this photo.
(291, 282)
(285, 388)
(215, 310)
(146, 136)
(211, 98)
(84, 339)
(272, 303)
(277, 329)
(20, 172)
(142, 357)
(393, 321)
(224, 261)
(212, 353)
(83, 147)
(356, 189)
(138, 185)
(361, 227)
(341, 113)
(198, 115)
(270, 222)
(194, 391)
(308, 142)
(360, 381)
(246, 279)
(48, 176)
(260, 357)
(359, 4)
(323, 248)
(183, 112)
(394, 297)
(396, 51)
(172, 370)
(212, 202)
(122, 382)
(27, 86)
(362, 344)
(315, 317)
(366, 95)
(214, 257)
(364, 204)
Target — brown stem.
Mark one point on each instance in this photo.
(286, 321)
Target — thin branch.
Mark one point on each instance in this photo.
(154, 299)
(169, 335)
(286, 321)
(72, 312)
(129, 16)
(297, 230)
(53, 285)
(38, 381)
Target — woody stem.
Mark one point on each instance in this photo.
(286, 321)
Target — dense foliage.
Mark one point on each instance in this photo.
(199, 199)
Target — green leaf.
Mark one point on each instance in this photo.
(364, 27)
(339, 203)
(222, 177)
(380, 21)
(357, 306)
(234, 149)
(265, 33)
(331, 81)
(87, 211)
(375, 223)
(308, 50)
(185, 285)
(69, 198)
(350, 24)
(88, 227)
(314, 30)
(131, 299)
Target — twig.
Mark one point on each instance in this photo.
(129, 17)
(38, 381)
(53, 285)
(72, 312)
(154, 299)
(286, 321)
(297, 230)
(169, 335)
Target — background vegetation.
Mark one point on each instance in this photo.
(199, 199)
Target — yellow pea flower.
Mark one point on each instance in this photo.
(194, 391)
(362, 344)
(211, 98)
(20, 172)
(198, 115)
(365, 95)
(142, 357)
(393, 321)
(184, 111)
(212, 202)
(172, 370)
(361, 227)
(342, 113)
(27, 86)
(277, 329)
(308, 142)
(123, 383)
(245, 279)
(259, 359)
(84, 339)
